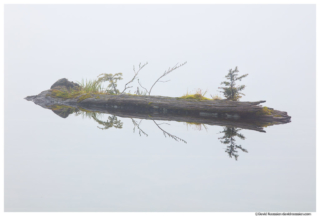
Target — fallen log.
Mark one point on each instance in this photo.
(247, 115)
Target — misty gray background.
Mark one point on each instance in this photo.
(55, 164)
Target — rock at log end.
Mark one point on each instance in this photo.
(30, 98)
(64, 83)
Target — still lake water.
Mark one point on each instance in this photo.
(70, 164)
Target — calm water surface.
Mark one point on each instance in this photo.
(80, 163)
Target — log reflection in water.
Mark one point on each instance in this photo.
(229, 137)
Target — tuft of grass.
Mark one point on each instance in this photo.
(84, 96)
(86, 88)
(70, 94)
(215, 97)
(90, 86)
(198, 95)
(265, 111)
(65, 94)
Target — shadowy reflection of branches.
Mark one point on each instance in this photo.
(112, 122)
(136, 125)
(164, 123)
(196, 126)
(165, 133)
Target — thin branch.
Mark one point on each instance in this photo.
(166, 73)
(135, 75)
(142, 86)
(164, 81)
(114, 87)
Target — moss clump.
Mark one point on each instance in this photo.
(265, 111)
(83, 97)
(216, 97)
(277, 116)
(129, 94)
(64, 94)
(194, 97)
(265, 124)
(149, 103)
(198, 95)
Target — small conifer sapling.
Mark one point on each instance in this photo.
(231, 91)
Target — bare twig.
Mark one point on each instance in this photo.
(142, 86)
(164, 81)
(137, 92)
(166, 73)
(135, 76)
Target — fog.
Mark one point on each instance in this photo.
(55, 164)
